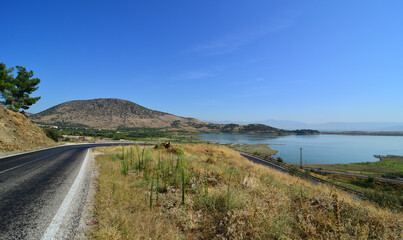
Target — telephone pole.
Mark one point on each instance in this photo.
(300, 157)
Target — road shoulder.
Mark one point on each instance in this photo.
(87, 216)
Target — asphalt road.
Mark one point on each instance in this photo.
(42, 194)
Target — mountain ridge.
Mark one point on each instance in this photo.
(113, 113)
(325, 126)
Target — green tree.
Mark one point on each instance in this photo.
(5, 77)
(16, 92)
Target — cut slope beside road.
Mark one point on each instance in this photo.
(18, 133)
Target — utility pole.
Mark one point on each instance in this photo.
(300, 158)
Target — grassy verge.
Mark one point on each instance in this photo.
(256, 149)
(384, 193)
(211, 192)
(391, 167)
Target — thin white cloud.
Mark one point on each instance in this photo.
(231, 43)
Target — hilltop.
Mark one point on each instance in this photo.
(112, 113)
(17, 132)
(108, 113)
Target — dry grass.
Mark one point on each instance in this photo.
(18, 133)
(226, 197)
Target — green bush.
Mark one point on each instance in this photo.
(369, 183)
(52, 134)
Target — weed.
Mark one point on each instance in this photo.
(125, 167)
(151, 191)
(228, 190)
(336, 211)
(183, 184)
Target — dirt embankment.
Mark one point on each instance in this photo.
(18, 133)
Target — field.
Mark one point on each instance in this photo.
(387, 167)
(140, 134)
(209, 191)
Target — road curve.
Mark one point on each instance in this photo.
(42, 193)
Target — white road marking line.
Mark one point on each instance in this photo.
(42, 149)
(54, 226)
(24, 164)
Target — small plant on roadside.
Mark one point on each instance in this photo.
(125, 167)
(151, 191)
(336, 211)
(183, 184)
(228, 190)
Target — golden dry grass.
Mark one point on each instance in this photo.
(18, 133)
(262, 203)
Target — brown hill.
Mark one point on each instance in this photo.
(109, 113)
(18, 133)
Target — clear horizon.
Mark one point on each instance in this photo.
(312, 62)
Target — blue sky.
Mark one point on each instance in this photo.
(311, 61)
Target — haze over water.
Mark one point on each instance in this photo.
(319, 149)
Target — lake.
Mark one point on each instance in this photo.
(319, 149)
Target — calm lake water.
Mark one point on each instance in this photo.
(319, 149)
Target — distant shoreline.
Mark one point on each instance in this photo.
(364, 133)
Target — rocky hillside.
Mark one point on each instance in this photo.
(109, 113)
(18, 133)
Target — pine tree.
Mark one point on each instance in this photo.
(16, 92)
(5, 77)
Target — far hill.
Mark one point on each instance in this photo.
(112, 113)
(17, 132)
(108, 113)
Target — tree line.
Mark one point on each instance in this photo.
(15, 91)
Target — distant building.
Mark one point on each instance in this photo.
(54, 126)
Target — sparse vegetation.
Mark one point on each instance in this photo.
(17, 133)
(227, 197)
(391, 166)
(256, 149)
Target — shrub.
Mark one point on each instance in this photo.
(52, 134)
(280, 160)
(369, 183)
